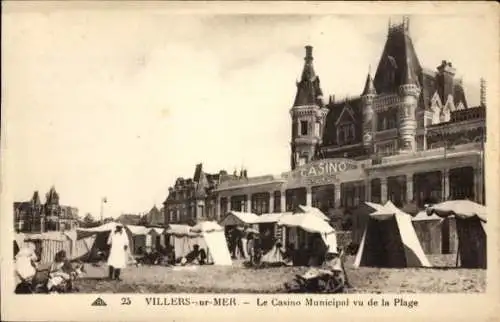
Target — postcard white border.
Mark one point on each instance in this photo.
(431, 306)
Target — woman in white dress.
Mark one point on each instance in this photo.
(119, 252)
(25, 265)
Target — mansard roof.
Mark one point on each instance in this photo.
(399, 63)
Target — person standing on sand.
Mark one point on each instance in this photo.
(119, 252)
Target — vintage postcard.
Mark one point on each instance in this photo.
(183, 161)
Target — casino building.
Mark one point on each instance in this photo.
(410, 136)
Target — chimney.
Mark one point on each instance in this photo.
(446, 67)
(309, 56)
(445, 80)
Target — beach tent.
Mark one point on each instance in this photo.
(157, 237)
(310, 223)
(359, 216)
(268, 223)
(101, 235)
(48, 243)
(389, 240)
(237, 219)
(437, 235)
(470, 219)
(214, 241)
(181, 239)
(139, 237)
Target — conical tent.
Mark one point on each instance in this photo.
(389, 240)
(470, 220)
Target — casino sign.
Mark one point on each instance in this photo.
(321, 171)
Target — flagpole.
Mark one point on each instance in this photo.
(102, 211)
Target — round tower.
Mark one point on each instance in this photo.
(308, 115)
(409, 93)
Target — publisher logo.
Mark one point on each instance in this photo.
(99, 302)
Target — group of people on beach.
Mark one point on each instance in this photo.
(327, 272)
(57, 278)
(62, 272)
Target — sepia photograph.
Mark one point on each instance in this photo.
(147, 152)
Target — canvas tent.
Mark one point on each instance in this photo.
(269, 230)
(157, 237)
(470, 219)
(207, 235)
(360, 215)
(48, 243)
(140, 239)
(181, 239)
(389, 240)
(437, 235)
(136, 235)
(237, 220)
(215, 241)
(310, 223)
(90, 241)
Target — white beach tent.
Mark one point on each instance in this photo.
(137, 235)
(215, 241)
(140, 237)
(389, 240)
(157, 236)
(182, 239)
(311, 223)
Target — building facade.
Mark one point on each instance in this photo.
(409, 137)
(191, 200)
(153, 218)
(33, 216)
(129, 219)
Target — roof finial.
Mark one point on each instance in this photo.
(482, 92)
(369, 69)
(309, 56)
(406, 23)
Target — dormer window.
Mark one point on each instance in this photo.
(346, 134)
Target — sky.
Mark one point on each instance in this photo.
(119, 103)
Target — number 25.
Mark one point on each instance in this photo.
(126, 301)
